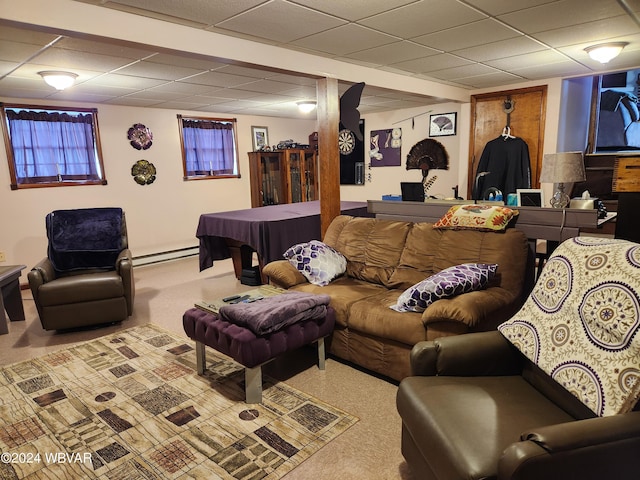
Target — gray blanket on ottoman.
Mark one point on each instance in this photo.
(273, 313)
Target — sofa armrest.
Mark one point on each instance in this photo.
(42, 272)
(282, 274)
(471, 354)
(602, 447)
(471, 308)
(124, 267)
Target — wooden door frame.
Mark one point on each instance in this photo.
(471, 165)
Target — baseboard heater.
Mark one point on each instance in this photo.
(164, 256)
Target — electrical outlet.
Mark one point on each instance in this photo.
(2, 257)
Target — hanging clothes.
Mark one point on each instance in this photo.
(504, 165)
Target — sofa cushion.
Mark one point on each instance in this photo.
(372, 247)
(581, 322)
(484, 217)
(449, 282)
(344, 292)
(318, 262)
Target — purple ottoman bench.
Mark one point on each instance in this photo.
(250, 350)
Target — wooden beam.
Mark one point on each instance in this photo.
(328, 115)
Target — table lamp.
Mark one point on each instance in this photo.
(561, 168)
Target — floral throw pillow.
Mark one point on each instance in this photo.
(449, 282)
(482, 217)
(317, 261)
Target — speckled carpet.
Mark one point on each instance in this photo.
(130, 406)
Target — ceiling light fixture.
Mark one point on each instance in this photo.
(605, 51)
(306, 106)
(58, 80)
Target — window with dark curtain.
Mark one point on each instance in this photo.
(48, 147)
(209, 147)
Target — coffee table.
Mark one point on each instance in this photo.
(11, 299)
(203, 324)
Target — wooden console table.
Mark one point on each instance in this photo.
(11, 299)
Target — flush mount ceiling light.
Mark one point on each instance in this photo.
(306, 106)
(605, 51)
(58, 80)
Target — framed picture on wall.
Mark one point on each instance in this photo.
(530, 197)
(260, 136)
(442, 124)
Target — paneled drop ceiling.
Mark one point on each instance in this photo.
(471, 44)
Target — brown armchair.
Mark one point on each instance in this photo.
(512, 404)
(87, 277)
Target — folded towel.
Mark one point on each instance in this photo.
(274, 313)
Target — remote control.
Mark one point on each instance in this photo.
(232, 297)
(240, 299)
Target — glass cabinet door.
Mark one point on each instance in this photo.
(295, 176)
(310, 180)
(272, 189)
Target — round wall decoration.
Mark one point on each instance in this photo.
(140, 136)
(143, 172)
(346, 141)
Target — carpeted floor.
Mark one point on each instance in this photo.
(129, 405)
(369, 449)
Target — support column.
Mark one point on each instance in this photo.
(328, 115)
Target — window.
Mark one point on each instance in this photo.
(51, 146)
(208, 147)
(615, 126)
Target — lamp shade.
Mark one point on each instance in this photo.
(564, 167)
(58, 80)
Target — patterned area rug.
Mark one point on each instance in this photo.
(130, 406)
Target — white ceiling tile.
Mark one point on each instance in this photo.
(158, 71)
(498, 7)
(432, 63)
(504, 48)
(514, 64)
(280, 21)
(199, 11)
(489, 80)
(126, 81)
(345, 39)
(599, 30)
(560, 14)
(393, 53)
(535, 72)
(456, 38)
(15, 52)
(219, 79)
(354, 9)
(463, 71)
(423, 17)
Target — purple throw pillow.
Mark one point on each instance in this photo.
(449, 282)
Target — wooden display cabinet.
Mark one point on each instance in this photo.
(283, 176)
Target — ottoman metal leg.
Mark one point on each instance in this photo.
(321, 353)
(253, 384)
(201, 358)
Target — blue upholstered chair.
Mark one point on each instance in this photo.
(87, 277)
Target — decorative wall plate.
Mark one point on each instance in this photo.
(140, 136)
(143, 172)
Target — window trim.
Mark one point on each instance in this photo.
(63, 183)
(234, 122)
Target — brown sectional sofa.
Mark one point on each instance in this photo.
(386, 257)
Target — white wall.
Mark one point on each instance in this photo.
(386, 180)
(164, 215)
(161, 216)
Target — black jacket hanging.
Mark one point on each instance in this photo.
(508, 165)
